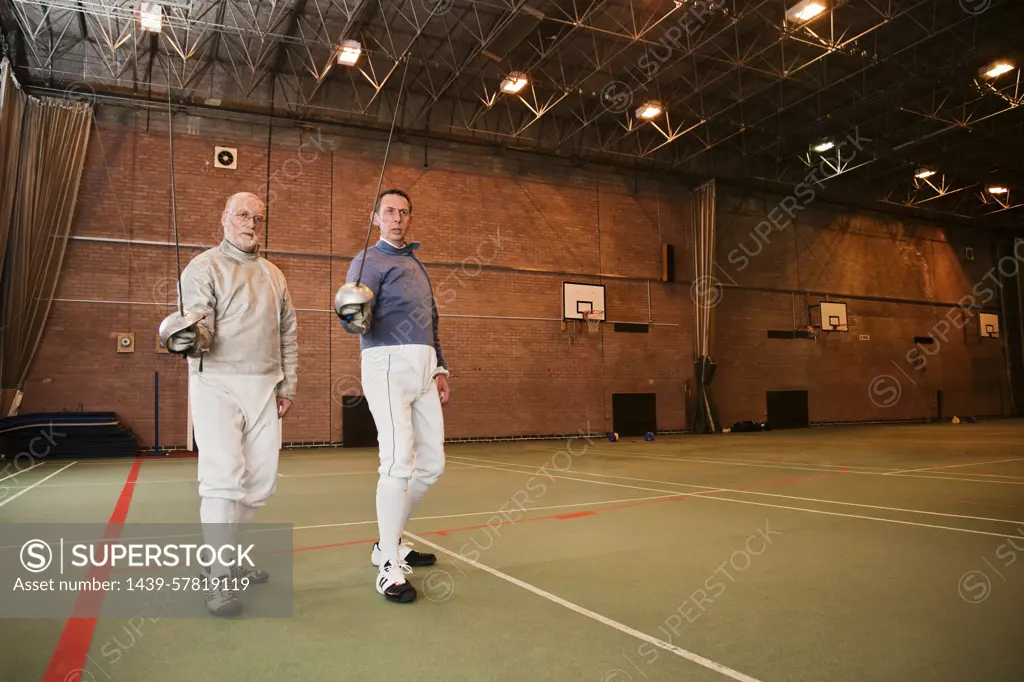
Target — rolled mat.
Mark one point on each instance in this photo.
(66, 435)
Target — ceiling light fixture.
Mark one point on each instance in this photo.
(997, 189)
(997, 68)
(350, 51)
(923, 173)
(151, 15)
(805, 10)
(823, 146)
(515, 82)
(649, 109)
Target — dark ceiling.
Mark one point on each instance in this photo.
(896, 84)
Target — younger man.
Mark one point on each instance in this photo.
(405, 382)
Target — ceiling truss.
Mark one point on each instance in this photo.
(897, 85)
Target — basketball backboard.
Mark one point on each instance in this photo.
(833, 317)
(578, 298)
(988, 324)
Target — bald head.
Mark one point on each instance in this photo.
(242, 220)
(239, 198)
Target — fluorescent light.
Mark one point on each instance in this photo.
(152, 16)
(823, 146)
(805, 10)
(350, 51)
(997, 189)
(996, 69)
(515, 82)
(812, 10)
(923, 173)
(649, 109)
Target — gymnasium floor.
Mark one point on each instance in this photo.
(839, 554)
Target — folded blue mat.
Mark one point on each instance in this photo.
(66, 435)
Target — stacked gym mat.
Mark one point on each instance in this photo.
(66, 435)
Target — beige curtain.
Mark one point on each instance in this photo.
(43, 143)
(12, 110)
(706, 292)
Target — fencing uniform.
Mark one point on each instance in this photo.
(252, 360)
(401, 358)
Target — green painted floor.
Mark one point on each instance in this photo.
(860, 554)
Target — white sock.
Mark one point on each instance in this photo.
(218, 519)
(390, 509)
(413, 496)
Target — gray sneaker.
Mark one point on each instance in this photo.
(254, 575)
(223, 602)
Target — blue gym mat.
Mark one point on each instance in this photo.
(66, 435)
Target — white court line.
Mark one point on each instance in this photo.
(953, 466)
(631, 454)
(500, 511)
(584, 480)
(141, 483)
(456, 465)
(374, 521)
(21, 471)
(287, 453)
(42, 480)
(820, 464)
(996, 475)
(786, 464)
(870, 518)
(781, 463)
(787, 497)
(336, 473)
(683, 460)
(678, 651)
(709, 496)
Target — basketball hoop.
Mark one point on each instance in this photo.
(593, 318)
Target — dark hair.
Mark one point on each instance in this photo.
(394, 191)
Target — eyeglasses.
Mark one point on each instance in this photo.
(389, 210)
(245, 217)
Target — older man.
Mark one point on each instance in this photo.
(243, 362)
(405, 381)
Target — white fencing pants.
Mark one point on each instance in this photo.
(402, 395)
(238, 434)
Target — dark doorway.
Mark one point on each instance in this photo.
(634, 414)
(357, 427)
(787, 409)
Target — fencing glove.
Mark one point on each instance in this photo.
(182, 342)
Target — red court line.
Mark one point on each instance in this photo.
(73, 646)
(560, 517)
(446, 531)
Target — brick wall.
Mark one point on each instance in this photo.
(499, 235)
(500, 232)
(899, 280)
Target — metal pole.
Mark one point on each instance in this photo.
(156, 413)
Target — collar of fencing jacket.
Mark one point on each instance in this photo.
(229, 249)
(389, 248)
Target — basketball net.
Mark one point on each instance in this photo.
(593, 318)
